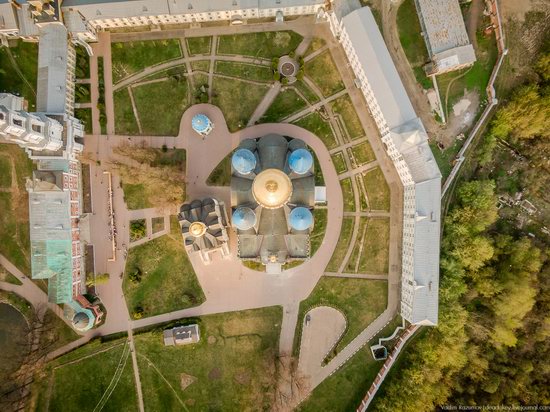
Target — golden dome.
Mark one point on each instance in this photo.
(272, 188)
(197, 229)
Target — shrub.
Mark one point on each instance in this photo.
(135, 275)
(138, 312)
(292, 54)
(276, 75)
(284, 80)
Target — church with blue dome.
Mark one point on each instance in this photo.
(272, 199)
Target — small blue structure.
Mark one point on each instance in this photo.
(243, 161)
(300, 218)
(300, 161)
(201, 124)
(244, 218)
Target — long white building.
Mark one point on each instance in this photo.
(406, 143)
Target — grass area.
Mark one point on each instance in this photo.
(231, 368)
(344, 107)
(26, 57)
(157, 224)
(347, 192)
(101, 98)
(319, 127)
(319, 178)
(5, 172)
(221, 175)
(378, 191)
(244, 71)
(85, 116)
(252, 264)
(82, 67)
(58, 333)
(14, 207)
(473, 78)
(167, 279)
(360, 300)
(352, 265)
(344, 390)
(82, 93)
(445, 158)
(285, 104)
(411, 39)
(131, 57)
(201, 65)
(175, 72)
(339, 162)
(316, 44)
(323, 72)
(69, 379)
(319, 228)
(362, 153)
(306, 91)
(237, 100)
(262, 44)
(199, 45)
(125, 121)
(342, 245)
(134, 196)
(7, 277)
(165, 119)
(376, 247)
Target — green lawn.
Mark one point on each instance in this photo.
(323, 72)
(7, 277)
(237, 100)
(285, 104)
(378, 191)
(26, 57)
(319, 127)
(306, 91)
(165, 119)
(157, 223)
(175, 72)
(412, 41)
(473, 78)
(446, 157)
(131, 57)
(352, 266)
(339, 162)
(82, 93)
(14, 210)
(316, 44)
(82, 67)
(319, 228)
(342, 245)
(347, 193)
(85, 116)
(71, 388)
(199, 45)
(125, 121)
(232, 368)
(376, 247)
(262, 44)
(168, 281)
(134, 196)
(360, 300)
(201, 65)
(221, 175)
(5, 172)
(344, 107)
(362, 153)
(344, 390)
(244, 71)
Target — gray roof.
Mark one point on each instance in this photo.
(51, 234)
(8, 20)
(181, 335)
(442, 23)
(375, 59)
(454, 57)
(52, 69)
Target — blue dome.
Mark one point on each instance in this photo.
(301, 218)
(243, 161)
(300, 161)
(200, 123)
(244, 218)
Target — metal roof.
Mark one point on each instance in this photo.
(300, 161)
(300, 218)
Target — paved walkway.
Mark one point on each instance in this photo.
(265, 103)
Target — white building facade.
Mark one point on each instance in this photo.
(406, 143)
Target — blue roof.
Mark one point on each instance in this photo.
(244, 218)
(200, 123)
(243, 161)
(300, 161)
(301, 218)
